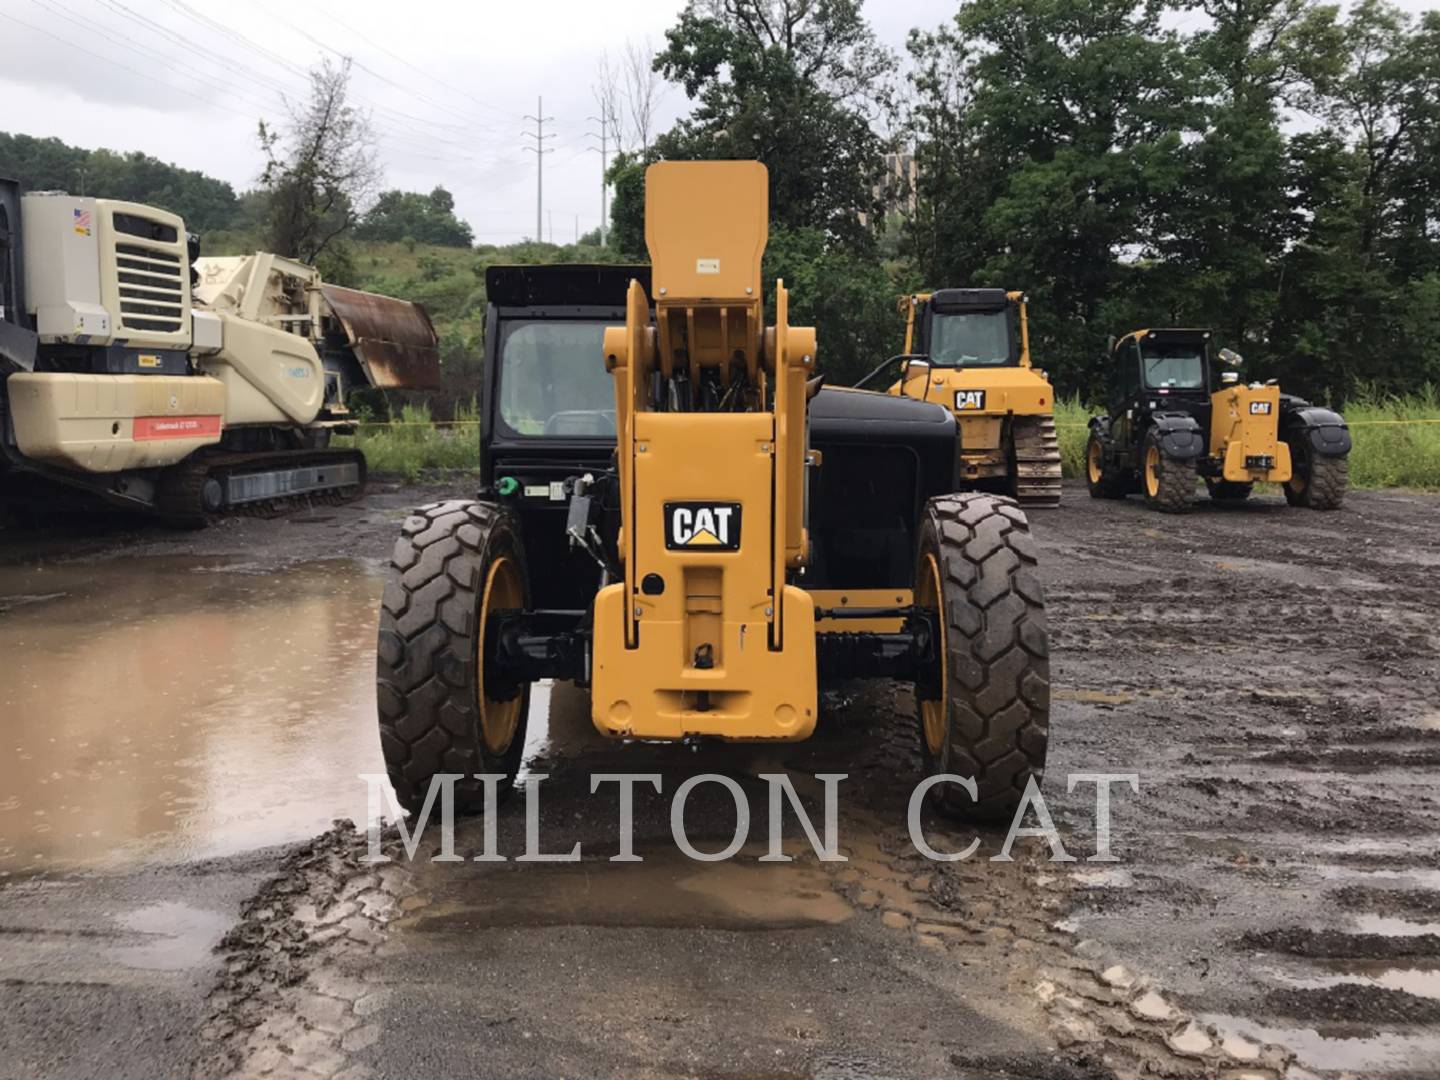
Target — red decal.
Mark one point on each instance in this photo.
(175, 427)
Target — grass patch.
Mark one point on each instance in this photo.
(1389, 450)
(1386, 453)
(1390, 454)
(415, 443)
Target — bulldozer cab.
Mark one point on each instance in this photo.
(962, 328)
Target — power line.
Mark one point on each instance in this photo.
(396, 56)
(148, 76)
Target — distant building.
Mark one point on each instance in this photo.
(896, 189)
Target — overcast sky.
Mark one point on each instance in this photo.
(447, 83)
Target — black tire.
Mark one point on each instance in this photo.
(1316, 482)
(1228, 490)
(429, 681)
(992, 721)
(1102, 478)
(1168, 484)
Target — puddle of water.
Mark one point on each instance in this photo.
(1094, 697)
(182, 937)
(182, 708)
(663, 891)
(1389, 926)
(1424, 877)
(1384, 1052)
(1422, 982)
(1426, 722)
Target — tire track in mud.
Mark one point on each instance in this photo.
(1277, 696)
(298, 993)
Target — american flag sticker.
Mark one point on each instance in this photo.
(82, 222)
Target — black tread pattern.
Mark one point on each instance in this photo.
(1037, 460)
(427, 652)
(1326, 478)
(1112, 483)
(1177, 480)
(998, 657)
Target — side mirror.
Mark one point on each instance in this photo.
(1231, 357)
(915, 366)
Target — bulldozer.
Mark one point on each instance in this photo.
(676, 514)
(1175, 413)
(969, 350)
(135, 372)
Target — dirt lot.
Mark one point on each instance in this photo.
(187, 713)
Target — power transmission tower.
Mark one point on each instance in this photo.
(539, 150)
(604, 153)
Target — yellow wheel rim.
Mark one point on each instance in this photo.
(928, 594)
(1152, 470)
(503, 592)
(1092, 462)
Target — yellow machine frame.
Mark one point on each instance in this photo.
(728, 647)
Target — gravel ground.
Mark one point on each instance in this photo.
(1268, 675)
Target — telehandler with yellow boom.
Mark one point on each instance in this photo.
(706, 536)
(1175, 414)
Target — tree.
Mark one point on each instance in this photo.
(797, 85)
(321, 170)
(641, 93)
(426, 219)
(1068, 146)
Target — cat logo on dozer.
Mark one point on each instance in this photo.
(702, 525)
(970, 399)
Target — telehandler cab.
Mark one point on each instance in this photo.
(703, 537)
(1170, 419)
(969, 350)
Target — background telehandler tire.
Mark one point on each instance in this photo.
(1316, 482)
(1168, 484)
(1228, 490)
(454, 563)
(976, 567)
(1104, 481)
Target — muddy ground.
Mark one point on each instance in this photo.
(183, 716)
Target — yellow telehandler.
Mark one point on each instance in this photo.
(704, 537)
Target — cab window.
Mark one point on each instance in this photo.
(1174, 366)
(971, 339)
(553, 380)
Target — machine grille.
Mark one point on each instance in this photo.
(152, 288)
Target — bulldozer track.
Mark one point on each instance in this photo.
(1037, 460)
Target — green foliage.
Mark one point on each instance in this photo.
(795, 86)
(413, 443)
(409, 215)
(1125, 175)
(51, 165)
(849, 298)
